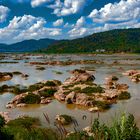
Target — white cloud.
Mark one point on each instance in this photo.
(117, 12)
(71, 7)
(27, 27)
(36, 3)
(3, 13)
(78, 29)
(122, 15)
(67, 7)
(59, 22)
(78, 32)
(81, 22)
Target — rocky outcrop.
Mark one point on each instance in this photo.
(39, 93)
(45, 101)
(133, 74)
(70, 98)
(63, 63)
(79, 76)
(5, 76)
(79, 89)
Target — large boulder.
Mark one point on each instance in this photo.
(59, 96)
(70, 98)
(81, 99)
(79, 76)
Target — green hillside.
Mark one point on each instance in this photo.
(119, 40)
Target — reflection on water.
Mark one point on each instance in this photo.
(54, 108)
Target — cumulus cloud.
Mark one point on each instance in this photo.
(121, 15)
(67, 7)
(70, 7)
(78, 32)
(3, 13)
(78, 29)
(59, 22)
(27, 27)
(36, 3)
(80, 22)
(118, 12)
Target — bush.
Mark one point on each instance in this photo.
(17, 90)
(114, 78)
(47, 92)
(3, 88)
(101, 105)
(124, 95)
(35, 87)
(68, 119)
(31, 99)
(122, 129)
(17, 73)
(2, 121)
(28, 128)
(50, 84)
(40, 68)
(77, 89)
(24, 121)
(89, 90)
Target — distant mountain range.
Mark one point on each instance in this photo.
(27, 45)
(119, 40)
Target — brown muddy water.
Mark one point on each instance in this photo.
(126, 62)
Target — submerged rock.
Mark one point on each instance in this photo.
(94, 109)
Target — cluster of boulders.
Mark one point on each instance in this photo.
(69, 62)
(113, 88)
(79, 89)
(133, 74)
(5, 115)
(42, 94)
(5, 76)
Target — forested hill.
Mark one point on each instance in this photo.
(119, 40)
(27, 45)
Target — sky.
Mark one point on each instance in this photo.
(64, 19)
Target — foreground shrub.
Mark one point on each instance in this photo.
(122, 129)
(2, 121)
(28, 128)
